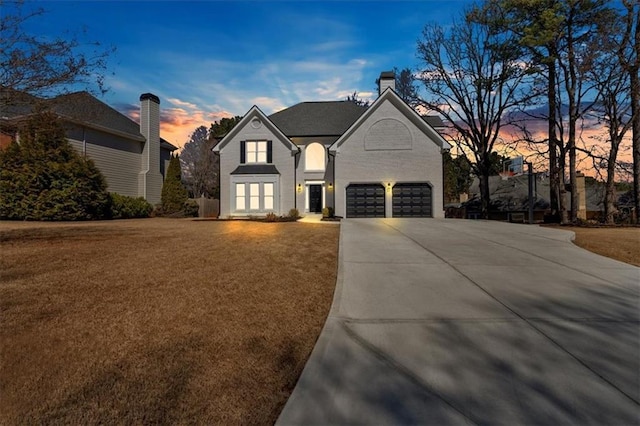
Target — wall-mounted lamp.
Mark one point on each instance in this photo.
(388, 186)
(330, 185)
(299, 187)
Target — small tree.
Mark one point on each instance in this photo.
(457, 176)
(44, 178)
(174, 194)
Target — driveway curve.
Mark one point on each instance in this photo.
(473, 322)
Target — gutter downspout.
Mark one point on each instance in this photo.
(295, 179)
(333, 177)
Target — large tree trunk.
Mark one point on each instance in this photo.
(610, 188)
(554, 179)
(562, 203)
(635, 113)
(485, 195)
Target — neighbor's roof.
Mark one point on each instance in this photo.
(330, 118)
(79, 107)
(83, 107)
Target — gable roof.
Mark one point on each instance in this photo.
(255, 112)
(330, 118)
(389, 94)
(81, 108)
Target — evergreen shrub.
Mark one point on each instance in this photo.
(43, 178)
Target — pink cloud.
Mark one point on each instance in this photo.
(177, 124)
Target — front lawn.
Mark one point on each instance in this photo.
(620, 243)
(157, 320)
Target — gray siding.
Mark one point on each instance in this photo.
(117, 158)
(417, 160)
(303, 176)
(283, 160)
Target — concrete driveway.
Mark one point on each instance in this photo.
(473, 322)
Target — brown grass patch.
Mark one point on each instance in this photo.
(620, 243)
(157, 320)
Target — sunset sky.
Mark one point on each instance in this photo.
(211, 59)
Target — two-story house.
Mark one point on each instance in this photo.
(384, 160)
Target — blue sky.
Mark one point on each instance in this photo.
(211, 59)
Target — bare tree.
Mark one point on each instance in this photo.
(629, 57)
(199, 166)
(45, 67)
(614, 108)
(356, 99)
(472, 74)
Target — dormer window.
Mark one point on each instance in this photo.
(255, 152)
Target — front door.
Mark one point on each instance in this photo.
(315, 198)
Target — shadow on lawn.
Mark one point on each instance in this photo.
(148, 389)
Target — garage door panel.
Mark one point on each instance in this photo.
(412, 200)
(365, 200)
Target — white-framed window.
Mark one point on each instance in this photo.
(268, 195)
(240, 196)
(256, 152)
(314, 157)
(254, 194)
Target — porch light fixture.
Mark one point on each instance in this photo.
(330, 185)
(388, 186)
(299, 187)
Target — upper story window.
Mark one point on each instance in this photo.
(314, 157)
(255, 152)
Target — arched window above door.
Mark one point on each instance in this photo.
(314, 157)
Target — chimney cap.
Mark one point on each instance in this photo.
(388, 74)
(151, 97)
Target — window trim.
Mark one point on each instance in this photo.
(324, 158)
(248, 181)
(246, 153)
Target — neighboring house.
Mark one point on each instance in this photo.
(131, 156)
(384, 160)
(509, 198)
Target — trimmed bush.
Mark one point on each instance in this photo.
(44, 178)
(294, 214)
(124, 207)
(190, 208)
(327, 212)
(271, 217)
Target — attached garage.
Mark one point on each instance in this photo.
(412, 200)
(365, 200)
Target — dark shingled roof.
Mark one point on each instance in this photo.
(331, 118)
(433, 120)
(83, 107)
(80, 107)
(256, 169)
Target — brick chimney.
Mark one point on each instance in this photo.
(150, 179)
(387, 79)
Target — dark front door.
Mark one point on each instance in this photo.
(315, 198)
